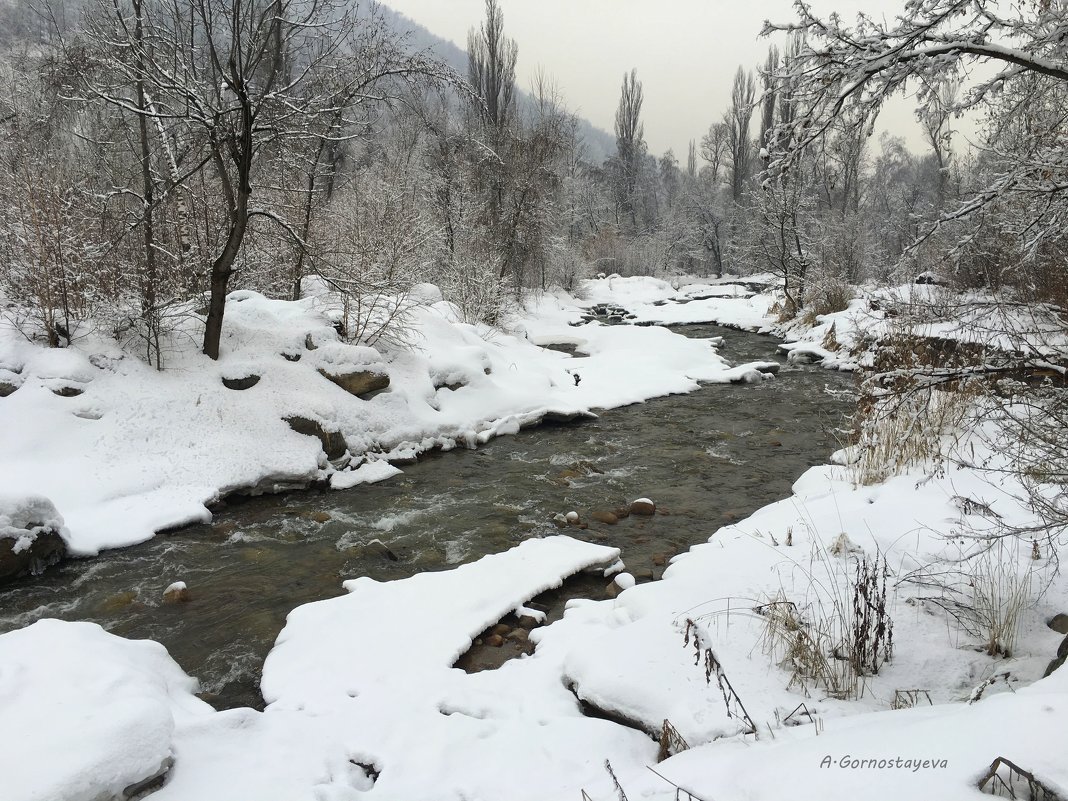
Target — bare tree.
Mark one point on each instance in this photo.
(491, 60)
(714, 148)
(739, 115)
(770, 96)
(1010, 232)
(236, 82)
(630, 145)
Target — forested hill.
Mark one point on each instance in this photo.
(600, 144)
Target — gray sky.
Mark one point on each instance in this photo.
(686, 53)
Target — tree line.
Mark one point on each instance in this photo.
(158, 155)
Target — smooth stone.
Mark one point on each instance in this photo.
(643, 506)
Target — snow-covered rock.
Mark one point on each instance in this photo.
(84, 715)
(32, 535)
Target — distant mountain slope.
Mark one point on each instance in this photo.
(599, 143)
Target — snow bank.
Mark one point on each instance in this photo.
(787, 550)
(85, 714)
(311, 668)
(926, 752)
(364, 699)
(725, 301)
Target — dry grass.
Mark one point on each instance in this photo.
(1003, 586)
(805, 645)
(845, 634)
(826, 297)
(894, 432)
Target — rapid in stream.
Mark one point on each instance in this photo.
(706, 458)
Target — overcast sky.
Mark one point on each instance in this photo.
(685, 51)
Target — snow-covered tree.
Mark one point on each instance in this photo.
(232, 86)
(929, 48)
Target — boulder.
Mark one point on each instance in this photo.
(1059, 623)
(177, 593)
(46, 549)
(118, 601)
(643, 506)
(494, 641)
(31, 536)
(1062, 656)
(223, 530)
(9, 382)
(333, 443)
(243, 382)
(748, 377)
(608, 518)
(802, 356)
(150, 784)
(358, 382)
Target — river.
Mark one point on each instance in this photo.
(706, 458)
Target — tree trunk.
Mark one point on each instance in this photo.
(221, 270)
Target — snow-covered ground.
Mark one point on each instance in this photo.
(841, 340)
(364, 701)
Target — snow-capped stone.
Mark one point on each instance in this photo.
(32, 536)
(642, 506)
(177, 593)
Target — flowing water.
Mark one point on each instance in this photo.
(707, 458)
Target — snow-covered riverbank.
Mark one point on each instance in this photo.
(364, 703)
(124, 451)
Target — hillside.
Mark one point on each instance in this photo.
(600, 144)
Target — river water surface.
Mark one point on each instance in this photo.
(706, 458)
